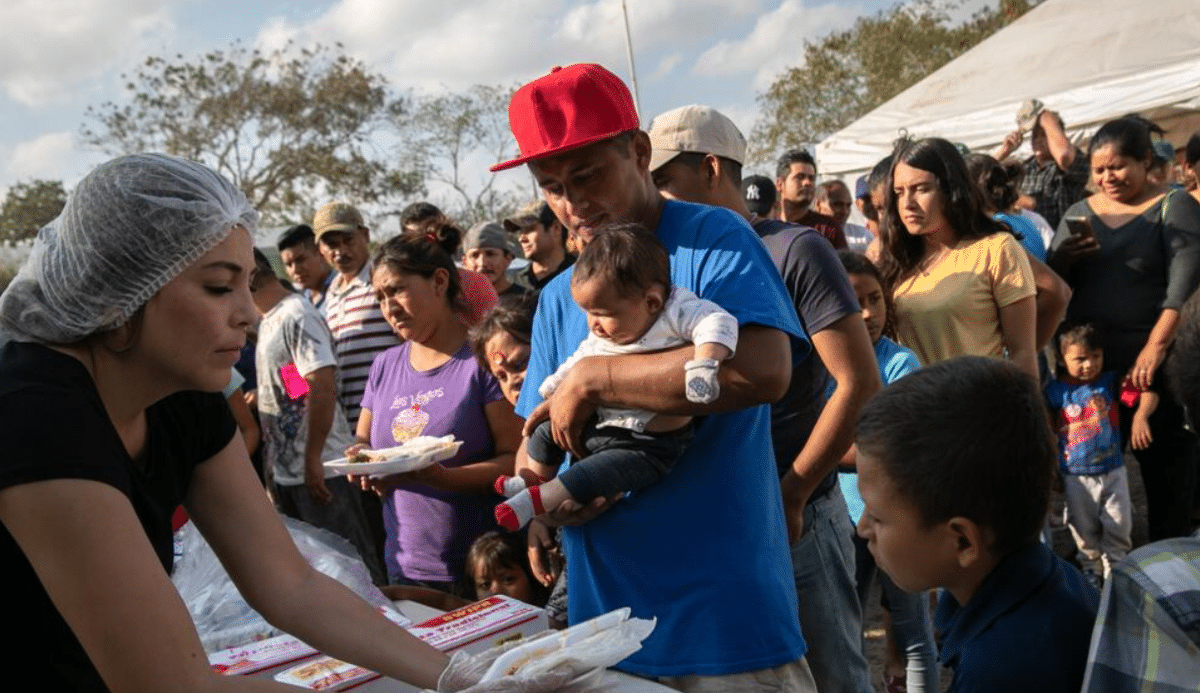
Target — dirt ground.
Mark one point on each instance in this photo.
(1063, 546)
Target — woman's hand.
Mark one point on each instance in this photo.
(1072, 250)
(382, 485)
(1139, 435)
(1146, 365)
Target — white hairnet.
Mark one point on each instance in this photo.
(129, 227)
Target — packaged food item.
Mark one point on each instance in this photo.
(281, 650)
(482, 625)
(258, 656)
(326, 673)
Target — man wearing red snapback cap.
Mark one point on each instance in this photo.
(705, 550)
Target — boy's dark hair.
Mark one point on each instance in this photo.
(505, 550)
(419, 213)
(793, 156)
(1084, 334)
(300, 234)
(628, 256)
(968, 437)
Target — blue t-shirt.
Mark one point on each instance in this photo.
(1085, 418)
(705, 550)
(1031, 239)
(1026, 628)
(895, 362)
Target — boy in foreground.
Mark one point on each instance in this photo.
(955, 464)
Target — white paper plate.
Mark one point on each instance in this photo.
(418, 453)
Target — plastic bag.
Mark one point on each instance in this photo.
(223, 618)
(570, 660)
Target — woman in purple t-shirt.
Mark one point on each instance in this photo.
(432, 385)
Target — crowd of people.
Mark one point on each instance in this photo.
(704, 396)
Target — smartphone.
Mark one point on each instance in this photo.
(1079, 226)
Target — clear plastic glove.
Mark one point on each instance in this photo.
(463, 674)
(701, 378)
(569, 661)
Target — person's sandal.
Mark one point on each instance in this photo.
(895, 684)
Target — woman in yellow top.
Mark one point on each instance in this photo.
(964, 285)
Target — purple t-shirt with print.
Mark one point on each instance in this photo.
(429, 530)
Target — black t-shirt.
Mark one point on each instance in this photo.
(529, 279)
(1149, 263)
(822, 295)
(55, 427)
(513, 290)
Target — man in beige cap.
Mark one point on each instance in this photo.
(697, 157)
(543, 239)
(359, 330)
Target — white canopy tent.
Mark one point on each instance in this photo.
(1089, 60)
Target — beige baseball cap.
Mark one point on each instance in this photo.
(536, 212)
(336, 216)
(694, 128)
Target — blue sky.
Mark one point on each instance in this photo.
(57, 57)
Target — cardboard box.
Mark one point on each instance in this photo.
(482, 625)
(272, 653)
(260, 656)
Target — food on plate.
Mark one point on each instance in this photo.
(422, 445)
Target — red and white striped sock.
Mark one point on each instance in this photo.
(516, 512)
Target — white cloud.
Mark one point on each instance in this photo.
(49, 48)
(776, 41)
(51, 156)
(436, 45)
(666, 66)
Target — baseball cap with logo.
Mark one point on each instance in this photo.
(694, 128)
(571, 107)
(759, 193)
(336, 216)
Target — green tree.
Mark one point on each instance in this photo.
(30, 206)
(291, 128)
(848, 73)
(453, 137)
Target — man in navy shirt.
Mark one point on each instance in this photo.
(697, 157)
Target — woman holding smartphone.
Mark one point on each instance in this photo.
(1131, 254)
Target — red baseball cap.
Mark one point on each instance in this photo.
(571, 107)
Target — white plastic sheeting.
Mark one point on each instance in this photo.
(1089, 60)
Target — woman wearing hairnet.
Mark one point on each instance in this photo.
(124, 323)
